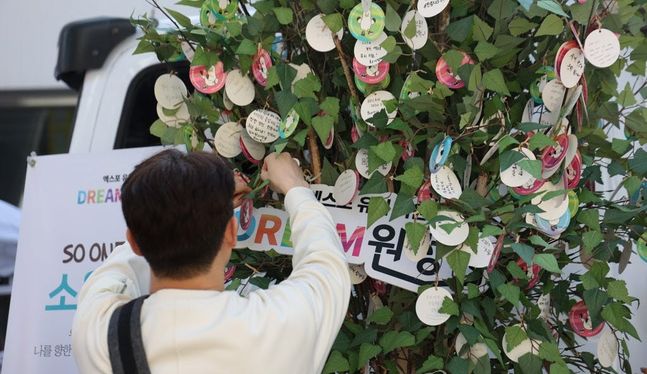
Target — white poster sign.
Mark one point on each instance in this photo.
(71, 221)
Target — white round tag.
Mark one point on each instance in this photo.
(526, 346)
(515, 176)
(170, 91)
(543, 302)
(361, 164)
(454, 237)
(553, 95)
(346, 187)
(357, 273)
(181, 115)
(428, 304)
(527, 111)
(370, 53)
(484, 250)
(572, 149)
(475, 352)
(227, 139)
(430, 8)
(446, 183)
(319, 36)
(263, 125)
(554, 207)
(255, 149)
(607, 348)
(602, 48)
(422, 30)
(374, 103)
(572, 67)
(239, 88)
(188, 51)
(225, 100)
(423, 249)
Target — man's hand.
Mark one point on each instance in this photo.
(282, 172)
(240, 189)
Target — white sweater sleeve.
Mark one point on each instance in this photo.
(314, 299)
(121, 278)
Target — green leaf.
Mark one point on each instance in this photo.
(285, 101)
(388, 44)
(428, 209)
(590, 217)
(367, 352)
(502, 9)
(158, 128)
(626, 97)
(449, 306)
(552, 25)
(284, 15)
(514, 335)
(392, 20)
(510, 292)
(431, 363)
(481, 30)
(595, 299)
(461, 29)
(183, 20)
(333, 21)
(533, 167)
(509, 158)
(385, 151)
(524, 251)
(330, 106)
(530, 363)
(381, 316)
(393, 339)
(485, 50)
(458, 261)
(246, 47)
(540, 141)
(552, 6)
(520, 26)
(307, 86)
(412, 177)
(415, 231)
(322, 126)
(286, 74)
(559, 369)
(458, 365)
(493, 80)
(617, 289)
(547, 261)
(377, 208)
(550, 352)
(590, 240)
(616, 314)
(336, 363)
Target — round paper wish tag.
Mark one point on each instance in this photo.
(527, 111)
(319, 36)
(230, 270)
(440, 154)
(370, 52)
(555, 206)
(173, 117)
(552, 156)
(330, 138)
(246, 213)
(532, 273)
(496, 254)
(188, 50)
(420, 34)
(573, 203)
(407, 92)
(571, 67)
(263, 125)
(261, 64)
(607, 348)
(553, 94)
(357, 273)
(207, 18)
(252, 150)
(227, 139)
(572, 96)
(580, 321)
(446, 76)
(289, 124)
(451, 236)
(239, 88)
(366, 26)
(484, 251)
(526, 346)
(573, 172)
(475, 352)
(531, 187)
(424, 193)
(374, 103)
(373, 74)
(346, 187)
(641, 248)
(224, 9)
(361, 164)
(170, 91)
(446, 183)
(602, 48)
(209, 80)
(430, 8)
(428, 305)
(543, 302)
(423, 248)
(515, 175)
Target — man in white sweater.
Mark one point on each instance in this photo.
(181, 231)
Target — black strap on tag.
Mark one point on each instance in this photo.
(127, 354)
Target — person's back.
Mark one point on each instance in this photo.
(189, 324)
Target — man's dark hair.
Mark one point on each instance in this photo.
(177, 206)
